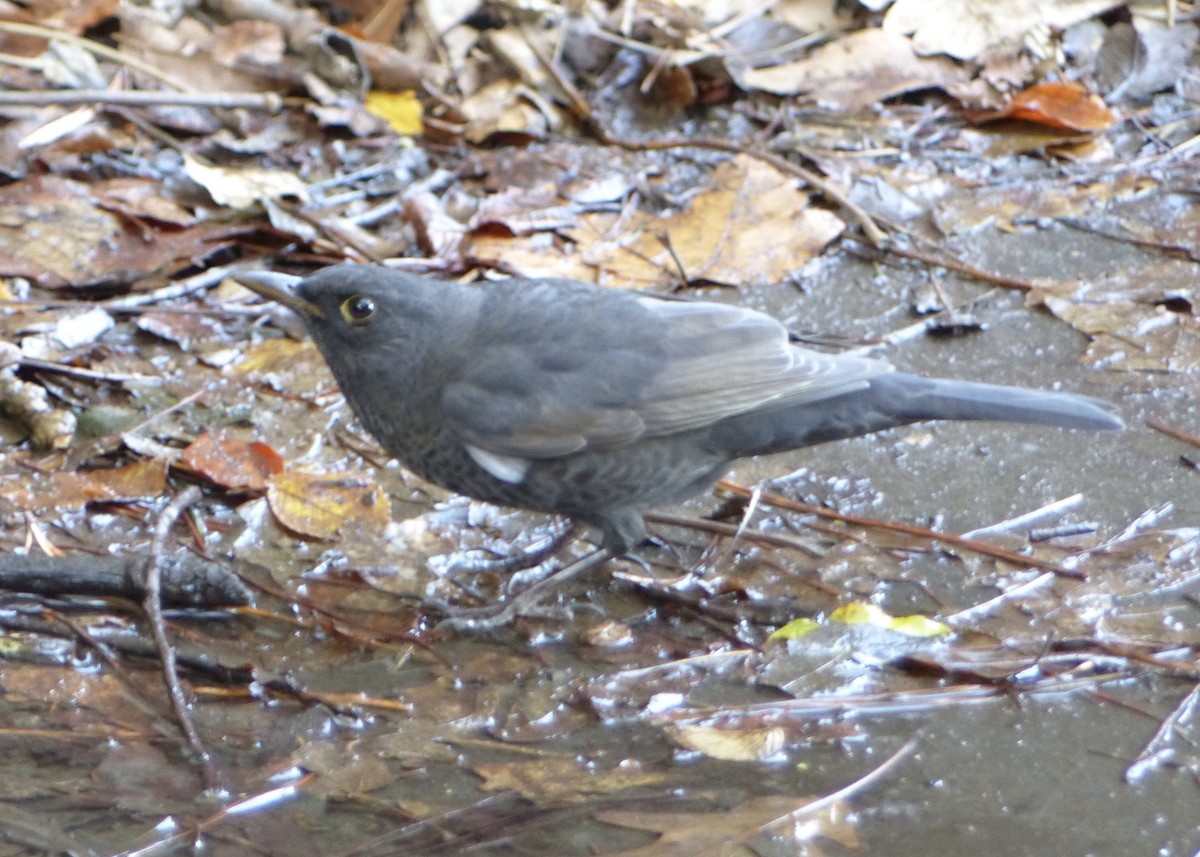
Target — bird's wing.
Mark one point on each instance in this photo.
(648, 367)
(727, 360)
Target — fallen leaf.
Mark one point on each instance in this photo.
(401, 110)
(795, 628)
(1136, 319)
(232, 463)
(145, 479)
(321, 506)
(1056, 105)
(688, 834)
(730, 745)
(755, 226)
(553, 778)
(964, 29)
(856, 71)
(243, 188)
(859, 613)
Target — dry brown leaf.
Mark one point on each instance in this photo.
(553, 778)
(140, 198)
(755, 227)
(522, 210)
(243, 188)
(731, 745)
(145, 479)
(247, 41)
(208, 59)
(857, 71)
(966, 28)
(687, 834)
(52, 225)
(508, 108)
(1133, 326)
(55, 231)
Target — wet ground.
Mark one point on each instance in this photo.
(1014, 777)
(1034, 731)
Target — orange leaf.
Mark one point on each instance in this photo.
(1061, 105)
(233, 464)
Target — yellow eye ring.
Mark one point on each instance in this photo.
(358, 309)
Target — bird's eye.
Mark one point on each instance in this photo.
(358, 309)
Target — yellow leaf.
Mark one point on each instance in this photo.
(870, 614)
(795, 628)
(401, 110)
(860, 614)
(320, 507)
(919, 626)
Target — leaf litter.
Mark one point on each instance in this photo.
(538, 140)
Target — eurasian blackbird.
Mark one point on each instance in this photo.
(598, 403)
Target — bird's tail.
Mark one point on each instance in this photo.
(896, 399)
(914, 398)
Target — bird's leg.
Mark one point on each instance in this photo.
(524, 603)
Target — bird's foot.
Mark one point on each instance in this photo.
(519, 561)
(522, 604)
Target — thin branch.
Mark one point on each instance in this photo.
(153, 605)
(95, 48)
(268, 102)
(908, 529)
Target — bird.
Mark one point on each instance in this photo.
(600, 403)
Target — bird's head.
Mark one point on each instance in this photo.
(354, 311)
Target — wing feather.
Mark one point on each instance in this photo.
(650, 367)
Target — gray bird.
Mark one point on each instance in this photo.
(596, 403)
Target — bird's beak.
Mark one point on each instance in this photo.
(279, 288)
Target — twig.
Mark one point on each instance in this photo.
(89, 374)
(269, 102)
(1178, 434)
(190, 834)
(95, 48)
(734, 531)
(204, 280)
(153, 605)
(1158, 749)
(146, 704)
(952, 263)
(970, 614)
(1050, 509)
(846, 791)
(187, 580)
(908, 529)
